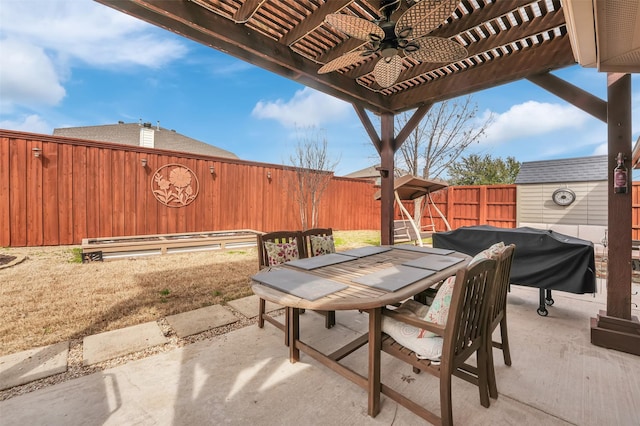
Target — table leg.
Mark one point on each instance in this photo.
(293, 314)
(375, 338)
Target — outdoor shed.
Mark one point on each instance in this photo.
(567, 195)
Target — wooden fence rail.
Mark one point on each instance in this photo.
(75, 189)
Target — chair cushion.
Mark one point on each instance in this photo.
(278, 253)
(322, 244)
(409, 337)
(494, 250)
(439, 309)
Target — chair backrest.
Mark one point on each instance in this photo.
(500, 286)
(278, 237)
(315, 232)
(466, 324)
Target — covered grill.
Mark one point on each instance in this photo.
(543, 259)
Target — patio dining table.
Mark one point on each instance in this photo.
(365, 279)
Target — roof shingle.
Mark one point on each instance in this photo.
(580, 169)
(129, 134)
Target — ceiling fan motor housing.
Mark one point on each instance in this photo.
(389, 45)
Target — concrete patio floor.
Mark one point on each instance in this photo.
(244, 377)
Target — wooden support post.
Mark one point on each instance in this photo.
(387, 166)
(373, 380)
(615, 328)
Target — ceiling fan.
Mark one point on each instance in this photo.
(391, 39)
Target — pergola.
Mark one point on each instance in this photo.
(506, 40)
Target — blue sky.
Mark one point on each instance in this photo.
(79, 63)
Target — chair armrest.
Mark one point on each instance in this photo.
(416, 322)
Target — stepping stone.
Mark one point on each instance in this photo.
(203, 319)
(112, 344)
(24, 367)
(248, 306)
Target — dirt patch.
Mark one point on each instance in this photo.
(4, 259)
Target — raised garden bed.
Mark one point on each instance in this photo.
(99, 249)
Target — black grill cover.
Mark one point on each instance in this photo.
(542, 259)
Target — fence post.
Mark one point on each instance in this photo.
(482, 205)
(450, 203)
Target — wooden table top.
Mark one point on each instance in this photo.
(359, 296)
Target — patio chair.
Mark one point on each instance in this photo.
(319, 241)
(446, 352)
(497, 314)
(286, 246)
(291, 247)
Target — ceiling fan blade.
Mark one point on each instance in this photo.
(437, 49)
(387, 70)
(354, 27)
(424, 16)
(343, 61)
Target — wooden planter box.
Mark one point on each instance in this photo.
(99, 249)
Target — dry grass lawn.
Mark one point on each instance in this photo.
(48, 298)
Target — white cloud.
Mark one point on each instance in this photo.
(41, 40)
(27, 76)
(533, 118)
(31, 123)
(88, 31)
(308, 107)
(602, 149)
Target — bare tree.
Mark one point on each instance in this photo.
(314, 170)
(441, 137)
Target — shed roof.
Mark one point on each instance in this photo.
(581, 169)
(129, 134)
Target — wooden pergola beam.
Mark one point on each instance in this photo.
(574, 95)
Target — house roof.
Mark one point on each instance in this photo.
(129, 134)
(580, 169)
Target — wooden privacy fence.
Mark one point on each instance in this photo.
(471, 205)
(56, 190)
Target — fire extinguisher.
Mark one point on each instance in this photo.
(620, 177)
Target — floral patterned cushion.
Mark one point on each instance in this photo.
(278, 253)
(322, 245)
(411, 337)
(494, 250)
(439, 309)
